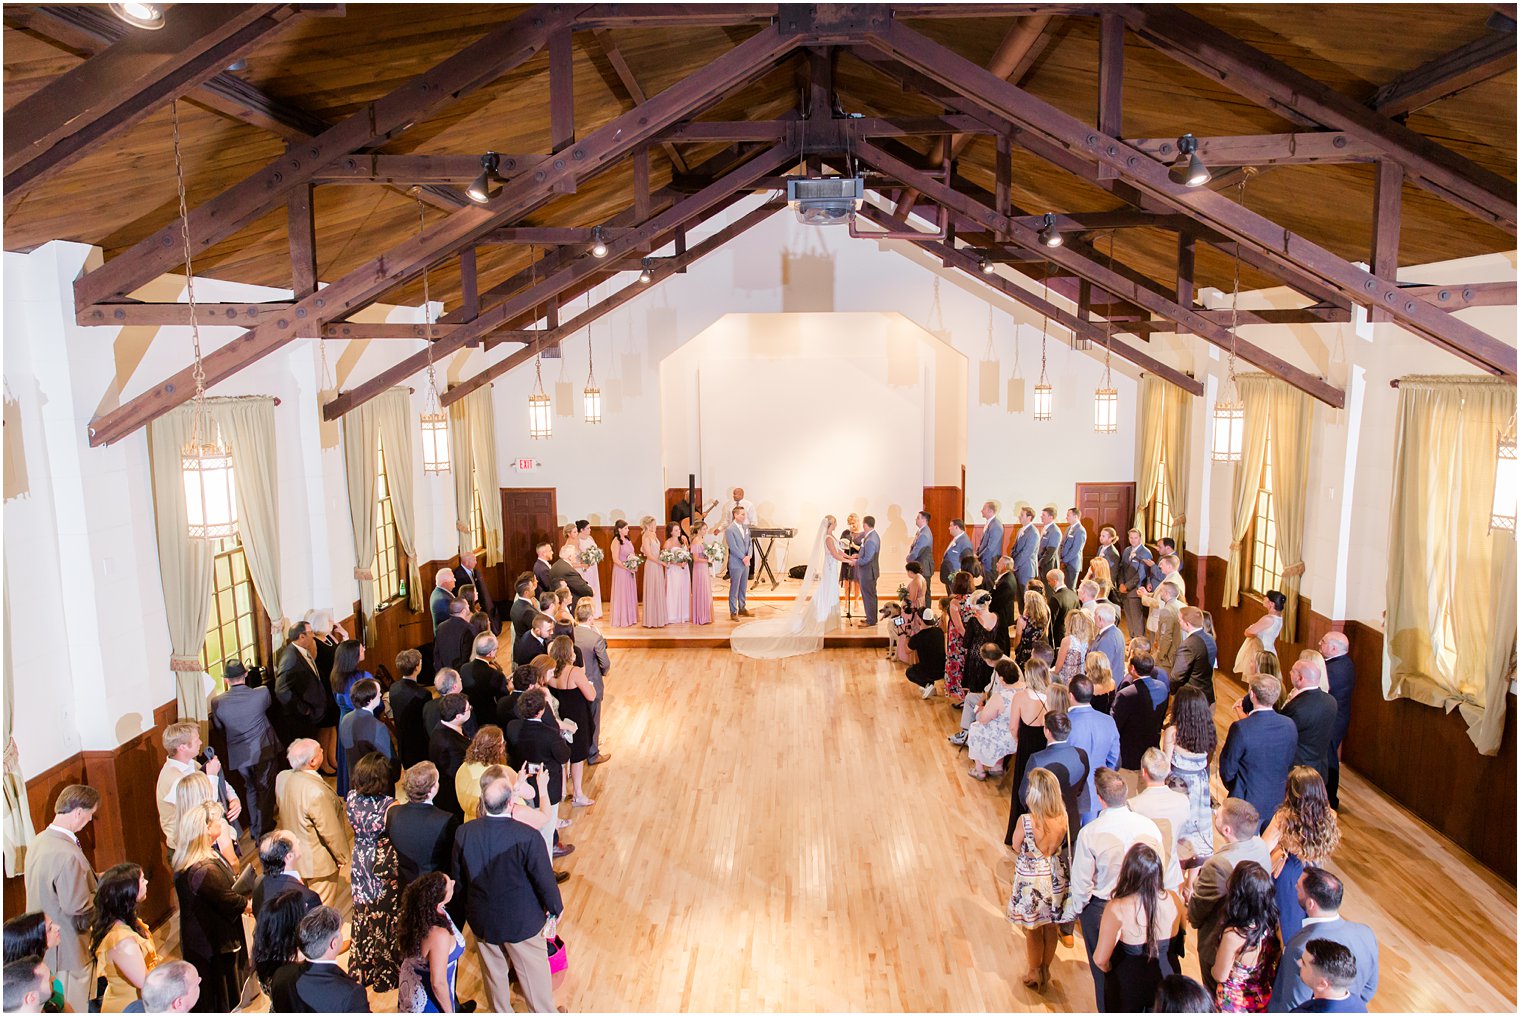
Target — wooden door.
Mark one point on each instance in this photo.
(1105, 504)
(529, 516)
(943, 504)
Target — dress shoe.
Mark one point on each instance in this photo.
(559, 876)
(564, 850)
(958, 739)
(745, 613)
(732, 616)
(605, 756)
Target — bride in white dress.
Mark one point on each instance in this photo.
(814, 611)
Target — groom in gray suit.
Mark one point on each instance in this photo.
(739, 550)
(868, 567)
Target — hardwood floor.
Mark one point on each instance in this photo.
(797, 835)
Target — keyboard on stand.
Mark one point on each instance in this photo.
(765, 542)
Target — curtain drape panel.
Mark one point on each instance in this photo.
(360, 429)
(1254, 396)
(18, 813)
(481, 411)
(463, 474)
(1163, 424)
(1450, 630)
(1179, 415)
(1151, 424)
(1291, 413)
(247, 425)
(396, 420)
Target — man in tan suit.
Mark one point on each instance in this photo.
(1168, 626)
(315, 816)
(61, 884)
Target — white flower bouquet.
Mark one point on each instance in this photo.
(677, 555)
(632, 562)
(590, 556)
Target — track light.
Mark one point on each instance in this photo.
(646, 276)
(480, 191)
(1050, 236)
(986, 265)
(1189, 168)
(149, 16)
(598, 245)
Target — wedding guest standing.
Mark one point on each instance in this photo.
(211, 905)
(429, 945)
(585, 542)
(1189, 742)
(120, 942)
(1041, 874)
(677, 580)
(1072, 543)
(372, 960)
(625, 585)
(922, 551)
(592, 646)
(1139, 934)
(1249, 947)
(1304, 832)
(955, 639)
(654, 575)
(701, 576)
(60, 882)
(574, 693)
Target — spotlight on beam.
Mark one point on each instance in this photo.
(1189, 168)
(598, 245)
(646, 276)
(149, 16)
(480, 191)
(1050, 236)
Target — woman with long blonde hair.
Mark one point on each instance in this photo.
(1041, 873)
(1101, 673)
(211, 905)
(655, 592)
(1099, 572)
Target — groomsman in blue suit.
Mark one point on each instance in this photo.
(1025, 549)
(960, 544)
(922, 551)
(1073, 541)
(739, 549)
(867, 569)
(1050, 539)
(990, 547)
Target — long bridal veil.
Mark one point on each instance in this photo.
(813, 611)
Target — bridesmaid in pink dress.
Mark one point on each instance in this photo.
(625, 585)
(701, 577)
(654, 575)
(677, 582)
(592, 572)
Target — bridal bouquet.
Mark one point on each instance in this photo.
(902, 594)
(716, 552)
(590, 556)
(631, 562)
(675, 556)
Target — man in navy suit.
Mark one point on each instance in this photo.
(316, 983)
(1313, 714)
(1050, 540)
(1096, 735)
(868, 569)
(1194, 662)
(1065, 761)
(1073, 541)
(443, 592)
(990, 547)
(960, 544)
(1026, 548)
(1335, 648)
(1320, 893)
(1139, 713)
(1259, 750)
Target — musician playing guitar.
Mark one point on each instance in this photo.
(682, 515)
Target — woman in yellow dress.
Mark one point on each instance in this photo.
(120, 941)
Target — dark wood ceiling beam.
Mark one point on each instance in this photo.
(1246, 70)
(1110, 82)
(1266, 149)
(1279, 245)
(411, 170)
(118, 88)
(965, 262)
(1447, 74)
(1387, 214)
(129, 313)
(358, 330)
(660, 269)
(724, 15)
(628, 83)
(552, 235)
(1102, 275)
(371, 280)
(1472, 294)
(477, 64)
(543, 287)
(301, 227)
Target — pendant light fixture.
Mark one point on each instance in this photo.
(1044, 394)
(1230, 412)
(540, 409)
(205, 462)
(1506, 482)
(435, 422)
(1106, 398)
(591, 396)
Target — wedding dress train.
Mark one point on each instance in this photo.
(813, 613)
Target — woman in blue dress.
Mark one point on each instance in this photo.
(430, 947)
(1304, 832)
(347, 671)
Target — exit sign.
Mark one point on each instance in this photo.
(525, 465)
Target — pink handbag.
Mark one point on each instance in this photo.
(559, 960)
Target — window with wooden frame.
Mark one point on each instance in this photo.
(232, 626)
(477, 517)
(389, 562)
(1265, 562)
(1159, 512)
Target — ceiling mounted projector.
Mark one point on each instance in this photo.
(825, 200)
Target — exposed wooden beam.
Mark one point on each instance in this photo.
(1447, 74)
(476, 65)
(411, 170)
(369, 281)
(1387, 214)
(1472, 294)
(469, 283)
(1267, 149)
(1101, 275)
(660, 270)
(1110, 81)
(119, 87)
(301, 226)
(1185, 264)
(1246, 70)
(552, 235)
(628, 83)
(383, 330)
(1278, 245)
(245, 315)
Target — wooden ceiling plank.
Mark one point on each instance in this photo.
(1447, 74)
(1279, 245)
(498, 51)
(117, 88)
(1102, 275)
(660, 269)
(1246, 70)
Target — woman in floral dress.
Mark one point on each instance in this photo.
(1041, 874)
(372, 961)
(955, 638)
(625, 584)
(1249, 947)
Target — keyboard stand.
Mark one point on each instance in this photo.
(763, 546)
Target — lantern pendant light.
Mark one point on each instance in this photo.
(1230, 413)
(591, 397)
(435, 422)
(540, 409)
(205, 462)
(1106, 398)
(1044, 394)
(1506, 482)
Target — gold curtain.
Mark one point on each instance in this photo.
(1179, 415)
(1149, 449)
(247, 425)
(393, 410)
(460, 464)
(1291, 417)
(1255, 395)
(1450, 630)
(360, 428)
(19, 831)
(481, 411)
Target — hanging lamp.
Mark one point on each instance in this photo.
(540, 409)
(1044, 393)
(1228, 440)
(1106, 398)
(591, 396)
(205, 461)
(435, 422)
